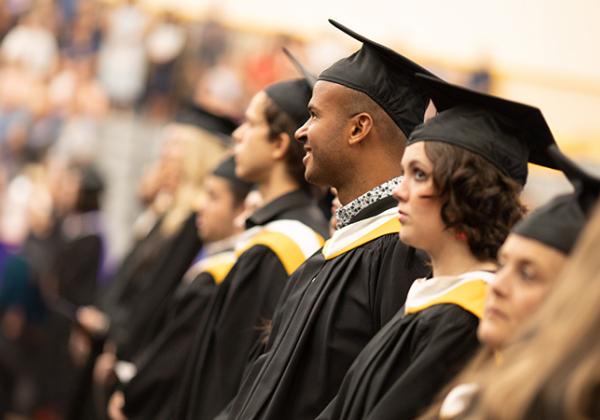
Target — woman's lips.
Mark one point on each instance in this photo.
(493, 312)
(402, 216)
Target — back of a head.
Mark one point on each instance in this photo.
(285, 111)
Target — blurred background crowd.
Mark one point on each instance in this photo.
(89, 94)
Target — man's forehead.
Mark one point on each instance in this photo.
(257, 105)
(326, 91)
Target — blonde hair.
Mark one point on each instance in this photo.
(201, 152)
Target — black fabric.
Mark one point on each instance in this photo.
(291, 97)
(77, 267)
(385, 76)
(508, 134)
(148, 311)
(587, 186)
(328, 312)
(196, 115)
(244, 303)
(160, 365)
(295, 205)
(116, 301)
(405, 365)
(556, 224)
(91, 180)
(375, 208)
(559, 223)
(124, 286)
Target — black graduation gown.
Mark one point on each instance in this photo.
(118, 299)
(245, 302)
(160, 365)
(148, 311)
(75, 270)
(78, 261)
(403, 368)
(332, 306)
(115, 300)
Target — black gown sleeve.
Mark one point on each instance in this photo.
(443, 344)
(252, 289)
(77, 268)
(159, 366)
(147, 316)
(391, 278)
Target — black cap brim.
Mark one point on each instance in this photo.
(405, 62)
(310, 78)
(196, 115)
(587, 186)
(537, 134)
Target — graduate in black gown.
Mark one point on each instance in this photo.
(158, 368)
(280, 236)
(463, 173)
(78, 263)
(532, 259)
(133, 310)
(74, 277)
(362, 109)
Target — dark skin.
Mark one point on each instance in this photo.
(357, 135)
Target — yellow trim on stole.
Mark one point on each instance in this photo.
(391, 226)
(287, 250)
(470, 296)
(219, 266)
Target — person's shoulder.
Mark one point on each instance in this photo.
(254, 253)
(447, 313)
(311, 216)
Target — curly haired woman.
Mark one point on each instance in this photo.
(552, 383)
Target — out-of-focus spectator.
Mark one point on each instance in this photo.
(82, 39)
(86, 103)
(16, 8)
(123, 64)
(164, 44)
(212, 42)
(32, 44)
(269, 65)
(221, 89)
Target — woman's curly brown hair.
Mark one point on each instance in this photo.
(477, 198)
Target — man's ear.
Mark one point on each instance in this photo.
(360, 126)
(280, 145)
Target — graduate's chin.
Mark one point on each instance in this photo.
(406, 236)
(311, 176)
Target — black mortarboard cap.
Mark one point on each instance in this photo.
(587, 186)
(508, 134)
(291, 97)
(196, 115)
(226, 169)
(385, 76)
(558, 223)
